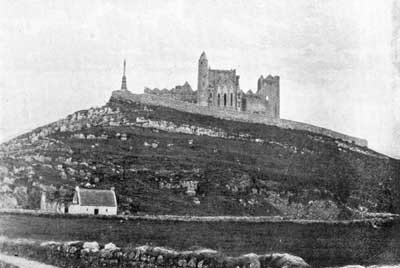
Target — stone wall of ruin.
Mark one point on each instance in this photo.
(255, 104)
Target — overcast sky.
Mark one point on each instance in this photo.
(333, 57)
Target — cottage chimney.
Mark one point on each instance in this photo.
(43, 201)
(76, 188)
(112, 189)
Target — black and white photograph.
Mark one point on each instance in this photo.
(200, 134)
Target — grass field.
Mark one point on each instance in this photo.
(317, 243)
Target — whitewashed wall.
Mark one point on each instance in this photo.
(76, 209)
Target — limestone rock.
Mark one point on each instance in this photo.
(200, 264)
(192, 263)
(160, 260)
(110, 246)
(91, 246)
(282, 260)
(182, 263)
(353, 266)
(252, 260)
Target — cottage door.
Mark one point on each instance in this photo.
(96, 211)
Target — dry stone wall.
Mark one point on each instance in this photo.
(92, 254)
(4, 264)
(234, 115)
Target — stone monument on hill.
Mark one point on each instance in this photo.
(123, 84)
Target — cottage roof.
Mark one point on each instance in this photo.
(91, 197)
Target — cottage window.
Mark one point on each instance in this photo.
(219, 99)
(225, 99)
(231, 99)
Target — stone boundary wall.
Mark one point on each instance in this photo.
(4, 264)
(367, 219)
(94, 255)
(151, 99)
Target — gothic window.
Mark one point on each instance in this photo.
(224, 99)
(231, 99)
(219, 99)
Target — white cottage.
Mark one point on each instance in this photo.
(95, 202)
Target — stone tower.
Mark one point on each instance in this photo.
(268, 89)
(123, 84)
(202, 85)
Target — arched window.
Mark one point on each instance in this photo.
(231, 99)
(224, 99)
(219, 99)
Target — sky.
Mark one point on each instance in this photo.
(334, 57)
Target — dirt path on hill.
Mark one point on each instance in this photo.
(23, 263)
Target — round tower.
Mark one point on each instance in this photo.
(202, 85)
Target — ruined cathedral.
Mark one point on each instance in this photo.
(221, 89)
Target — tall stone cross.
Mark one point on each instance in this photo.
(123, 84)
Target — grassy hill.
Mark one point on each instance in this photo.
(164, 161)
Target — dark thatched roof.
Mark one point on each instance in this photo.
(101, 198)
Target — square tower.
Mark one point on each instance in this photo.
(268, 89)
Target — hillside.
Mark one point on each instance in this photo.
(164, 161)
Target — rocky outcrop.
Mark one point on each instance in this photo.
(166, 101)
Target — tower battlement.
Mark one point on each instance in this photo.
(271, 78)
